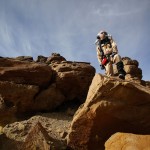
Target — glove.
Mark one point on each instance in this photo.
(102, 67)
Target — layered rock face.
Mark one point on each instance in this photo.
(28, 86)
(111, 106)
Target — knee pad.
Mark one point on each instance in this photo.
(117, 58)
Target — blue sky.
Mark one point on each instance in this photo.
(69, 27)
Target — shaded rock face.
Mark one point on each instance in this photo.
(17, 94)
(2, 104)
(111, 106)
(8, 144)
(49, 98)
(32, 86)
(127, 141)
(72, 78)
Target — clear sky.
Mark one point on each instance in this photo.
(69, 27)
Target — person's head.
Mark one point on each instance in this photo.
(102, 35)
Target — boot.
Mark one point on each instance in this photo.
(120, 69)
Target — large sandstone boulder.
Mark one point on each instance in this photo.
(36, 86)
(49, 99)
(22, 72)
(111, 106)
(73, 78)
(128, 141)
(15, 98)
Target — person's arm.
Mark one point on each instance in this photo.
(98, 50)
(99, 57)
(114, 46)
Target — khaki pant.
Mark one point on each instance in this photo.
(109, 66)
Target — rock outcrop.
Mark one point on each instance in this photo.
(52, 88)
(112, 105)
(133, 72)
(27, 86)
(127, 141)
(22, 72)
(24, 58)
(41, 59)
(55, 58)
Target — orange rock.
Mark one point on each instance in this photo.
(30, 86)
(74, 78)
(111, 106)
(128, 141)
(22, 72)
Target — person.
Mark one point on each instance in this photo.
(107, 54)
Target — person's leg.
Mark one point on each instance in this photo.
(109, 69)
(116, 58)
(120, 67)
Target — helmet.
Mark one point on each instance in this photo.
(102, 34)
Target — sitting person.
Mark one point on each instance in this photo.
(107, 54)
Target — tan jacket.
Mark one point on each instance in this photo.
(107, 49)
